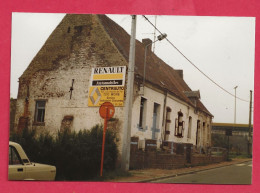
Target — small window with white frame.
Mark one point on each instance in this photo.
(39, 111)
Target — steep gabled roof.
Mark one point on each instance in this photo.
(157, 71)
(59, 46)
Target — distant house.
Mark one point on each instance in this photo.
(238, 140)
(54, 91)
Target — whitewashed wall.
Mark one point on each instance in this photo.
(176, 105)
(60, 81)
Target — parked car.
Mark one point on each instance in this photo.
(20, 167)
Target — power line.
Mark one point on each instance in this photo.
(194, 64)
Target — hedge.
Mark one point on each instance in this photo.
(76, 155)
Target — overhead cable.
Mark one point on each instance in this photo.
(194, 64)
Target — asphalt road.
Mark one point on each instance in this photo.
(234, 174)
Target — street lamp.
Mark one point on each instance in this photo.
(159, 38)
(230, 133)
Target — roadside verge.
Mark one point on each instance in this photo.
(148, 175)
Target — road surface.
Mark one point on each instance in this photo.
(233, 174)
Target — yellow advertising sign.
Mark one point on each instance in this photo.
(99, 95)
(107, 85)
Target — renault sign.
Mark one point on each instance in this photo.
(107, 85)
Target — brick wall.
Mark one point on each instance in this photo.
(150, 158)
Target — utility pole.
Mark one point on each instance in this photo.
(235, 105)
(235, 112)
(125, 159)
(249, 129)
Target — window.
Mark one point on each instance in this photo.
(39, 111)
(14, 158)
(179, 125)
(142, 113)
(156, 115)
(189, 127)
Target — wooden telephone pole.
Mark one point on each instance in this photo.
(249, 129)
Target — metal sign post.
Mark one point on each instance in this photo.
(106, 111)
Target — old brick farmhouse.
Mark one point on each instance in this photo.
(54, 89)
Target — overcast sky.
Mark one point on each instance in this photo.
(222, 47)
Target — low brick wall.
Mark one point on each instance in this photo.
(181, 155)
(168, 161)
(206, 159)
(150, 159)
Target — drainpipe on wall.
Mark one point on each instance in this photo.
(164, 120)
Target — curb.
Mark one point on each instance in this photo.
(189, 172)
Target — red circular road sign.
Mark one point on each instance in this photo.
(107, 110)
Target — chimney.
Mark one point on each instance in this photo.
(147, 41)
(180, 73)
(193, 96)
